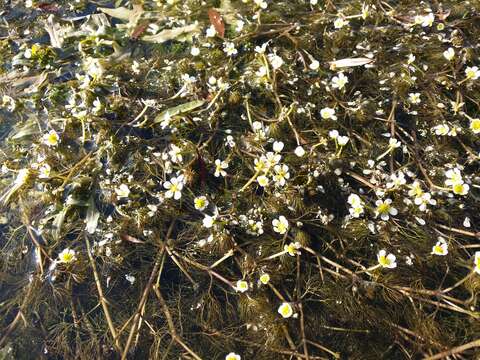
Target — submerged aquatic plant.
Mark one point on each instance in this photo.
(239, 179)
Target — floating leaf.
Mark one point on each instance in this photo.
(92, 217)
(139, 31)
(54, 31)
(122, 13)
(58, 223)
(217, 22)
(350, 62)
(171, 34)
(180, 109)
(131, 239)
(29, 129)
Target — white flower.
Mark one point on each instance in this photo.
(356, 211)
(230, 141)
(414, 98)
(299, 151)
(264, 279)
(365, 11)
(200, 203)
(278, 146)
(441, 130)
(339, 23)
(396, 180)
(261, 49)
(427, 20)
(454, 177)
(233, 356)
(476, 262)
(67, 256)
(122, 191)
(449, 54)
(281, 174)
(175, 154)
(153, 209)
(343, 140)
(339, 81)
(356, 205)
(328, 113)
(472, 72)
(415, 189)
(313, 2)
(195, 51)
(314, 65)
(219, 168)
(262, 72)
(130, 278)
(208, 221)
(229, 49)
(460, 189)
(271, 159)
(44, 171)
(261, 3)
(241, 286)
(333, 134)
(410, 59)
(276, 61)
(384, 209)
(386, 261)
(262, 181)
(394, 143)
(354, 200)
(292, 248)
(286, 310)
(239, 25)
(174, 187)
(440, 248)
(475, 126)
(424, 200)
(211, 32)
(280, 225)
(51, 139)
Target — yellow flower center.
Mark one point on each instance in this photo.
(382, 260)
(475, 125)
(52, 139)
(437, 249)
(458, 188)
(383, 208)
(286, 310)
(199, 203)
(291, 249)
(264, 279)
(67, 257)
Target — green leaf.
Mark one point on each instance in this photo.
(123, 13)
(92, 217)
(180, 109)
(58, 222)
(29, 129)
(171, 34)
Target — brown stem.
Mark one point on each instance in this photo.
(455, 350)
(171, 325)
(146, 291)
(101, 296)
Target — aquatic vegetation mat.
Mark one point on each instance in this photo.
(243, 179)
